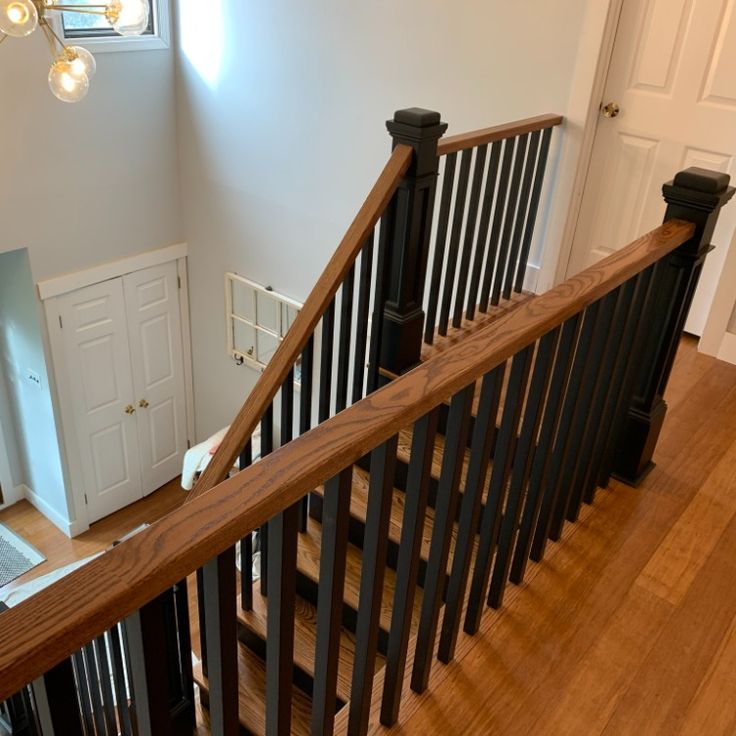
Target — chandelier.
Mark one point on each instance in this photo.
(72, 66)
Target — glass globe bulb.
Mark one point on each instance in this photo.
(82, 62)
(65, 83)
(129, 17)
(18, 17)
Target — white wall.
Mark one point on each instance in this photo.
(28, 415)
(91, 182)
(281, 117)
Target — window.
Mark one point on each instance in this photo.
(95, 33)
(88, 25)
(257, 319)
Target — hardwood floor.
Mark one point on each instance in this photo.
(59, 550)
(627, 627)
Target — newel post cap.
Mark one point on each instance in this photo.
(701, 189)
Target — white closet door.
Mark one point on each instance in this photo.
(95, 335)
(154, 328)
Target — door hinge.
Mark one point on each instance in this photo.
(178, 281)
(61, 324)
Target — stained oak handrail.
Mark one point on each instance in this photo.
(271, 380)
(455, 143)
(50, 626)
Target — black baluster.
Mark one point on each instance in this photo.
(122, 695)
(440, 246)
(407, 568)
(625, 393)
(484, 434)
(453, 250)
(282, 538)
(469, 240)
(383, 266)
(600, 398)
(508, 224)
(333, 551)
(581, 419)
(266, 449)
(361, 319)
(533, 207)
(498, 215)
(485, 221)
(62, 700)
(84, 696)
(456, 440)
(305, 412)
(522, 464)
(343, 346)
(383, 463)
(521, 212)
(551, 490)
(326, 360)
(246, 544)
(502, 458)
(222, 646)
(287, 408)
(108, 701)
(621, 359)
(93, 676)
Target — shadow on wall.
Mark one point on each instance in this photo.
(26, 410)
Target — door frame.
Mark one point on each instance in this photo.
(49, 291)
(598, 34)
(11, 492)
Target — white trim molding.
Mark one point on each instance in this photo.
(70, 528)
(58, 285)
(589, 78)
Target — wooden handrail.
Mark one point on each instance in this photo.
(455, 143)
(290, 349)
(50, 626)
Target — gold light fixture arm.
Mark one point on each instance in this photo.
(3, 36)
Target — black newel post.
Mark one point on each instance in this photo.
(409, 226)
(695, 195)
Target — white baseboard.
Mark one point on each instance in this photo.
(70, 528)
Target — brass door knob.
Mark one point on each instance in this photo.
(130, 409)
(143, 404)
(611, 110)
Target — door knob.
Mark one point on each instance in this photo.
(611, 110)
(143, 404)
(130, 409)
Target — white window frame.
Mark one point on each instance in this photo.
(161, 38)
(252, 360)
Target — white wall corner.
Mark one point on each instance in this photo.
(70, 528)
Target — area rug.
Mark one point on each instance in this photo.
(16, 556)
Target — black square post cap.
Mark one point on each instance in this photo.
(417, 117)
(702, 180)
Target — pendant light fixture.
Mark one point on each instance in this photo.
(72, 66)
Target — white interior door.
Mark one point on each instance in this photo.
(95, 336)
(673, 74)
(154, 328)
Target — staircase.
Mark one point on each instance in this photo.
(427, 427)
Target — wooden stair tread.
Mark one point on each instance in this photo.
(252, 695)
(403, 453)
(470, 327)
(308, 556)
(359, 509)
(305, 638)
